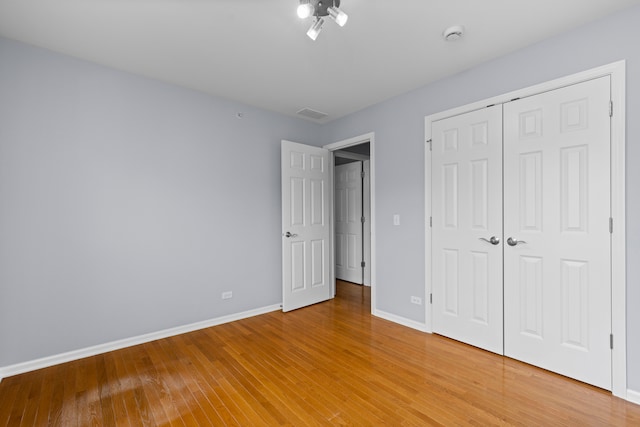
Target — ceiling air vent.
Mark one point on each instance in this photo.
(312, 114)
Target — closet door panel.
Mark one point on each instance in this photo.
(557, 286)
(467, 194)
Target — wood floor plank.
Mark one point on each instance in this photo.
(133, 385)
(68, 412)
(22, 395)
(148, 376)
(206, 380)
(250, 394)
(276, 378)
(103, 388)
(45, 397)
(191, 408)
(328, 364)
(126, 389)
(59, 379)
(93, 389)
(8, 392)
(290, 371)
(116, 401)
(197, 385)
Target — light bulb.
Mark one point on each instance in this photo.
(305, 10)
(315, 29)
(339, 16)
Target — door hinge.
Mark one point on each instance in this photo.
(362, 264)
(429, 142)
(611, 341)
(362, 174)
(610, 225)
(610, 108)
(430, 298)
(362, 220)
(430, 221)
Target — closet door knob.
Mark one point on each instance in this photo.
(493, 240)
(514, 242)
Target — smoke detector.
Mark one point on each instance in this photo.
(453, 33)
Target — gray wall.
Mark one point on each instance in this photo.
(399, 152)
(128, 205)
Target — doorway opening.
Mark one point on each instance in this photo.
(353, 212)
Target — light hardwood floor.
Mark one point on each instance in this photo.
(328, 364)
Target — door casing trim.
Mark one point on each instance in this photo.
(617, 71)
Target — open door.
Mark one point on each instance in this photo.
(306, 256)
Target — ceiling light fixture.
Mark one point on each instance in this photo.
(319, 9)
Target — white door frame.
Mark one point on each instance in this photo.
(361, 139)
(617, 71)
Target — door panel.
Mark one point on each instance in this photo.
(305, 217)
(557, 202)
(480, 286)
(467, 194)
(348, 226)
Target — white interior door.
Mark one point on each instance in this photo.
(557, 264)
(306, 257)
(467, 228)
(348, 223)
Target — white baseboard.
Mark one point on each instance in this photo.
(633, 396)
(401, 320)
(45, 362)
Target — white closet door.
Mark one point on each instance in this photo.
(557, 207)
(467, 208)
(348, 223)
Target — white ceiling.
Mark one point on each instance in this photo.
(257, 52)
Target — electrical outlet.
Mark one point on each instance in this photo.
(227, 295)
(416, 300)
